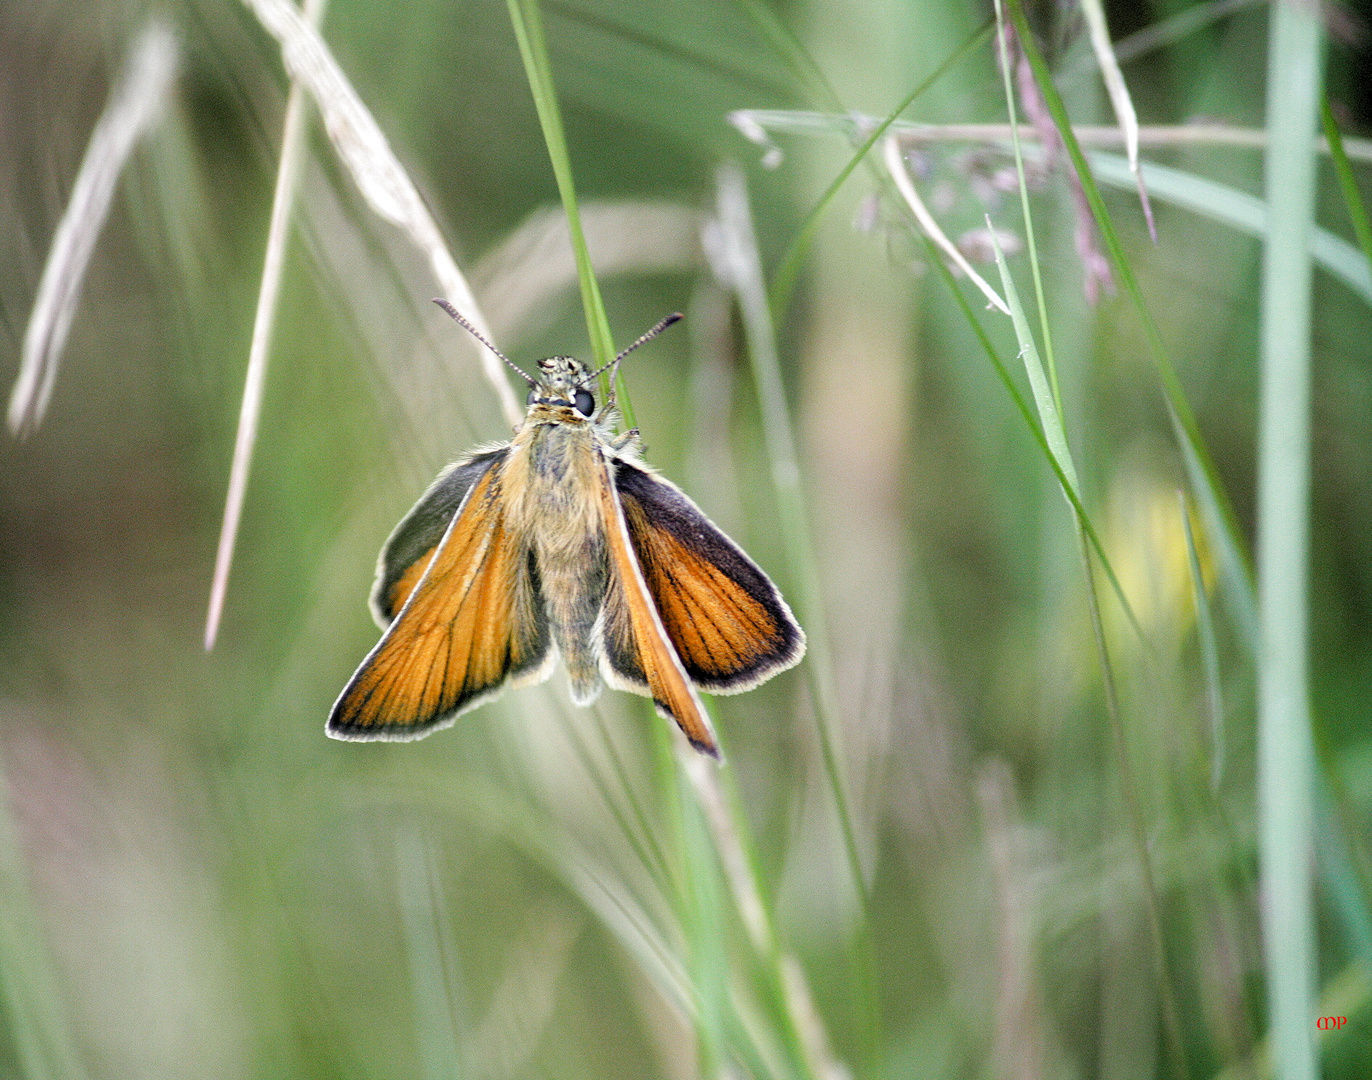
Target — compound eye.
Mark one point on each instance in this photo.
(533, 393)
(585, 403)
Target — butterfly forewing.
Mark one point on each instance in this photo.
(472, 622)
(412, 543)
(725, 618)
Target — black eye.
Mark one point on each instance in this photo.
(533, 393)
(585, 404)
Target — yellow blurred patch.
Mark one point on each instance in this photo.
(1145, 539)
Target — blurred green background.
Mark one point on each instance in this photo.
(195, 881)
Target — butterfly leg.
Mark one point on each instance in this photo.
(628, 438)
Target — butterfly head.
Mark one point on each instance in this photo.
(561, 381)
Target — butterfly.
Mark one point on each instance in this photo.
(561, 542)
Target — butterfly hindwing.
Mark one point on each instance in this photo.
(725, 618)
(636, 652)
(472, 623)
(412, 543)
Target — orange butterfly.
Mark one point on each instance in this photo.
(561, 542)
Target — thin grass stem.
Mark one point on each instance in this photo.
(1170, 1019)
(802, 1029)
(259, 349)
(1030, 242)
(1049, 400)
(757, 124)
(528, 27)
(704, 923)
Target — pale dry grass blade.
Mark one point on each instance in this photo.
(273, 262)
(852, 125)
(895, 164)
(376, 170)
(134, 106)
(1120, 101)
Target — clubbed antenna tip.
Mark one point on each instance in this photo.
(675, 316)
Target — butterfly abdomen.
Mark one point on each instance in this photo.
(554, 472)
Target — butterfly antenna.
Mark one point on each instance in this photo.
(460, 320)
(673, 317)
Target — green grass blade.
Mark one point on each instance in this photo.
(1030, 243)
(1044, 383)
(1027, 415)
(1045, 396)
(743, 265)
(1048, 399)
(784, 280)
(1285, 751)
(528, 27)
(1352, 197)
(1208, 489)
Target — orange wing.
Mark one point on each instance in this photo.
(472, 622)
(723, 615)
(411, 545)
(636, 653)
